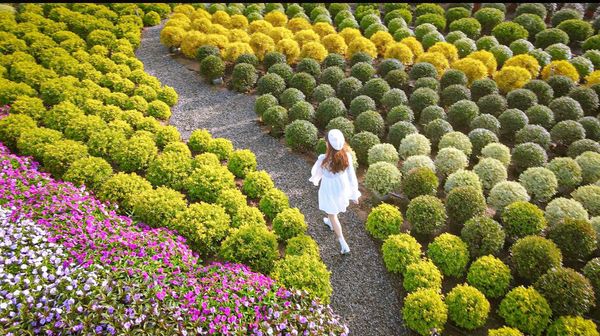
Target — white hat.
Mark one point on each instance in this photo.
(336, 139)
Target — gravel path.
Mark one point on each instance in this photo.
(364, 294)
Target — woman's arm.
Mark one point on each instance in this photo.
(317, 171)
(355, 194)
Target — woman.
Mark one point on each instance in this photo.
(338, 182)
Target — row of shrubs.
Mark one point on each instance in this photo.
(557, 291)
(100, 130)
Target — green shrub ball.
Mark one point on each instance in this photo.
(572, 325)
(158, 207)
(422, 274)
(532, 256)
(304, 272)
(483, 235)
(251, 245)
(271, 83)
(420, 181)
(426, 214)
(241, 162)
(122, 189)
(289, 223)
(464, 203)
(467, 307)
(526, 309)
(203, 225)
(461, 113)
(382, 178)
(361, 143)
(539, 182)
(423, 310)
(90, 171)
(383, 221)
(212, 67)
(301, 135)
(575, 237)
(450, 254)
(206, 182)
(567, 291)
(399, 251)
(522, 219)
(490, 275)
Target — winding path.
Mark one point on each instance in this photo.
(364, 294)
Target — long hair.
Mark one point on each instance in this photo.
(336, 160)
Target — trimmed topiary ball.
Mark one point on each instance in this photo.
(348, 88)
(483, 235)
(572, 325)
(363, 71)
(422, 69)
(329, 109)
(414, 144)
(532, 256)
(505, 193)
(575, 237)
(424, 310)
(525, 309)
(449, 253)
(449, 159)
(462, 178)
(490, 172)
(566, 132)
(273, 202)
(539, 182)
(289, 223)
(521, 219)
(397, 79)
(454, 93)
(589, 197)
(399, 131)
(361, 104)
(399, 113)
(420, 181)
(566, 108)
(435, 129)
(264, 102)
(490, 275)
(467, 307)
(426, 214)
(453, 77)
(257, 183)
(464, 203)
(511, 121)
(581, 146)
(461, 113)
(212, 67)
(301, 111)
(304, 272)
(332, 76)
(422, 275)
(521, 99)
(457, 140)
(375, 88)
(560, 208)
(283, 70)
(304, 82)
(567, 171)
(587, 99)
(270, 83)
(399, 251)
(493, 104)
(481, 137)
(487, 122)
(370, 121)
(291, 96)
(528, 155)
(382, 178)
(393, 98)
(589, 163)
(310, 66)
(431, 113)
(243, 77)
(383, 152)
(322, 92)
(383, 221)
(567, 291)
(252, 245)
(561, 85)
(592, 127)
(361, 143)
(417, 161)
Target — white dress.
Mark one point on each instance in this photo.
(337, 189)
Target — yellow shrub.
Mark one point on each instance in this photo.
(238, 21)
(401, 52)
(487, 58)
(216, 28)
(438, 60)
(216, 40)
(221, 17)
(314, 50)
(511, 77)
(238, 35)
(183, 24)
(290, 49)
(192, 40)
(276, 18)
(298, 24)
(525, 61)
(382, 40)
(200, 14)
(201, 24)
(350, 34)
(234, 50)
(593, 78)
(415, 46)
(448, 49)
(261, 44)
(560, 68)
(186, 10)
(171, 36)
(334, 43)
(362, 44)
(323, 29)
(280, 33)
(305, 36)
(180, 16)
(261, 26)
(473, 68)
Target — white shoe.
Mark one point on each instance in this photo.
(328, 223)
(345, 247)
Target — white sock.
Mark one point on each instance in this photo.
(327, 222)
(344, 245)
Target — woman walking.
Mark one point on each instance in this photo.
(338, 182)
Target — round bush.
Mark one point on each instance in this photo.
(486, 122)
(241, 162)
(422, 69)
(467, 307)
(383, 221)
(490, 275)
(481, 137)
(487, 43)
(581, 146)
(301, 111)
(578, 30)
(273, 57)
(397, 79)
(520, 47)
(302, 245)
(511, 121)
(489, 17)
(449, 159)
(506, 192)
(572, 325)
(521, 99)
(399, 251)
(583, 66)
(561, 85)
(343, 124)
(332, 76)
(303, 82)
(531, 22)
(322, 92)
(247, 58)
(490, 171)
(363, 71)
(493, 104)
(521, 219)
(257, 183)
(370, 121)
(251, 245)
(393, 98)
(206, 182)
(222, 147)
(348, 88)
(123, 189)
(89, 171)
(329, 109)
(507, 32)
(589, 163)
(422, 274)
(424, 310)
(283, 70)
(422, 98)
(59, 155)
(449, 253)
(205, 51)
(566, 108)
(457, 140)
(561, 208)
(417, 161)
(291, 96)
(435, 129)
(375, 88)
(160, 207)
(270, 83)
(465, 46)
(264, 102)
(585, 97)
(431, 113)
(575, 237)
(232, 201)
(361, 143)
(273, 202)
(461, 113)
(212, 67)
(483, 235)
(525, 309)
(414, 144)
(289, 223)
(539, 182)
(454, 93)
(382, 178)
(426, 214)
(566, 132)
(589, 197)
(464, 203)
(301, 135)
(383, 152)
(453, 77)
(420, 181)
(454, 36)
(532, 256)
(399, 113)
(567, 171)
(567, 291)
(361, 104)
(304, 272)
(169, 169)
(470, 26)
(592, 127)
(12, 126)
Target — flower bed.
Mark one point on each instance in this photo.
(70, 262)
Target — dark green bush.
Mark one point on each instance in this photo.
(212, 67)
(464, 203)
(426, 214)
(270, 83)
(567, 291)
(483, 235)
(420, 181)
(575, 237)
(243, 77)
(301, 135)
(493, 104)
(532, 256)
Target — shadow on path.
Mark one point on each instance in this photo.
(364, 294)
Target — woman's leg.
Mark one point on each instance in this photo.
(337, 228)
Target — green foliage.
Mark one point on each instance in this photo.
(532, 256)
(31, 141)
(422, 274)
(589, 197)
(289, 223)
(135, 154)
(423, 310)
(461, 113)
(89, 171)
(539, 182)
(572, 325)
(504, 331)
(493, 104)
(252, 245)
(122, 189)
(467, 307)
(526, 309)
(304, 272)
(273, 202)
(576, 238)
(270, 83)
(399, 251)
(567, 291)
(383, 152)
(490, 275)
(257, 183)
(521, 219)
(232, 200)
(158, 207)
(382, 178)
(243, 77)
(247, 215)
(12, 126)
(420, 181)
(414, 144)
(241, 162)
(426, 214)
(212, 67)
(449, 160)
(302, 245)
(362, 142)
(383, 221)
(507, 32)
(199, 141)
(589, 163)
(483, 235)
(222, 147)
(560, 208)
(206, 182)
(450, 254)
